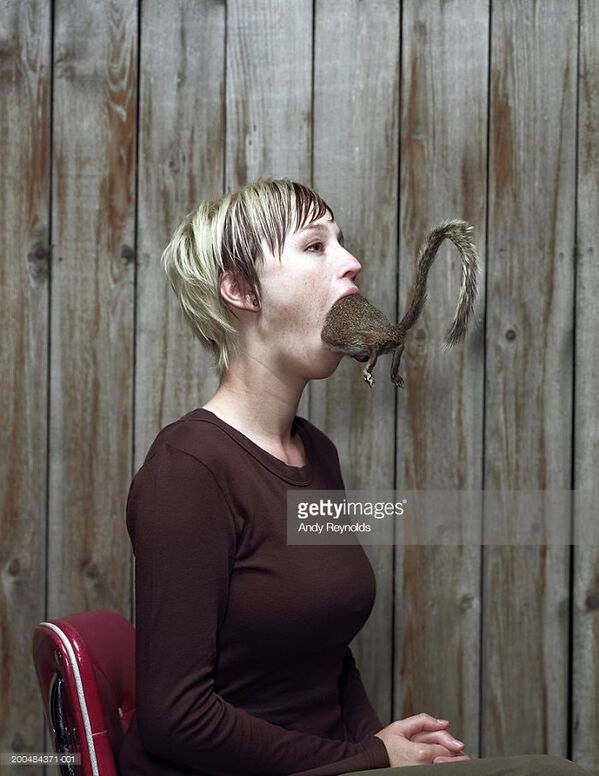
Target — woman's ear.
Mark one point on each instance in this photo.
(235, 292)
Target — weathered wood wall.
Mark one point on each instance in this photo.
(117, 117)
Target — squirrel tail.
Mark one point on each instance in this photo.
(459, 233)
(460, 236)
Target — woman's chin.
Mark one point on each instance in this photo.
(326, 365)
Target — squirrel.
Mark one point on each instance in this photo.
(356, 328)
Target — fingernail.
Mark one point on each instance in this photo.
(442, 720)
(458, 743)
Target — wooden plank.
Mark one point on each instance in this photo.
(91, 361)
(24, 283)
(585, 657)
(269, 56)
(269, 72)
(355, 169)
(439, 428)
(181, 162)
(528, 417)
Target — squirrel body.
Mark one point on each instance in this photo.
(354, 327)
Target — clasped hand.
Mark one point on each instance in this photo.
(419, 740)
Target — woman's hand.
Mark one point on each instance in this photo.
(419, 740)
(443, 737)
(453, 758)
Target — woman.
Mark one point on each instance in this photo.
(242, 656)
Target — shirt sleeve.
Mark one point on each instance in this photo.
(351, 764)
(359, 715)
(184, 539)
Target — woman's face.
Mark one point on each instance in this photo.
(297, 292)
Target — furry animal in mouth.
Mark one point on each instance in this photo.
(356, 328)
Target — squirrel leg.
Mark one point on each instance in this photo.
(395, 376)
(367, 371)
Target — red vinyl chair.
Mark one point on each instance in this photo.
(85, 664)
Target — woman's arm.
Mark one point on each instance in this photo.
(361, 720)
(184, 542)
(360, 717)
(349, 765)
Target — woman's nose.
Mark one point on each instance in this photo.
(353, 268)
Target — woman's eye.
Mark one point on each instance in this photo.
(313, 245)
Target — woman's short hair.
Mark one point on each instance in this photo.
(227, 234)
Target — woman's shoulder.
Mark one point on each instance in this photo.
(218, 447)
(204, 441)
(317, 437)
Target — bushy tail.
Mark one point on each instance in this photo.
(459, 233)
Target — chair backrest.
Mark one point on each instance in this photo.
(85, 664)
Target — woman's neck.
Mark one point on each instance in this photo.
(263, 413)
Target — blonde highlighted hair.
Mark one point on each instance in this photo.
(227, 234)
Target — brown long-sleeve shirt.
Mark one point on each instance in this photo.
(242, 657)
